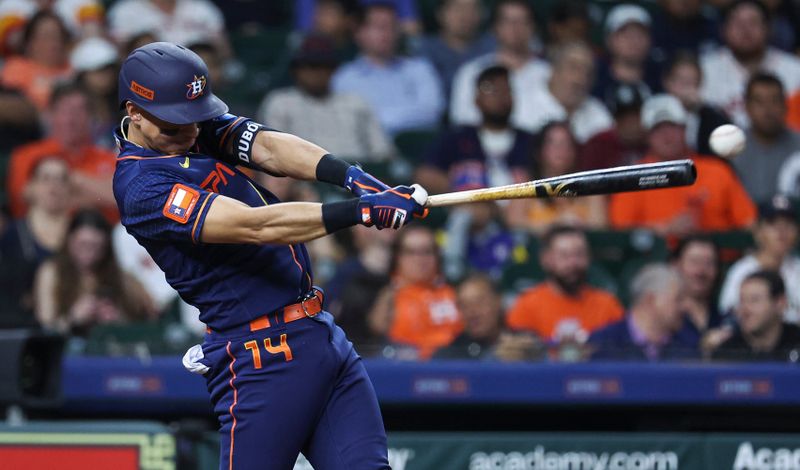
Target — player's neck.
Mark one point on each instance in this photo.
(133, 135)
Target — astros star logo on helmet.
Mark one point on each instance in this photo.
(196, 87)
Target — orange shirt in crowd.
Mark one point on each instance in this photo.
(34, 80)
(544, 309)
(793, 111)
(91, 160)
(426, 317)
(717, 201)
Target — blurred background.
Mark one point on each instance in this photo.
(654, 330)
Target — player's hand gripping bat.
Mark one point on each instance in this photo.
(586, 183)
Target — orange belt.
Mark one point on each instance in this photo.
(306, 308)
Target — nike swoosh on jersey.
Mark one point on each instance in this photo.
(185, 163)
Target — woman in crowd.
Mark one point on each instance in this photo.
(83, 286)
(44, 59)
(555, 154)
(418, 308)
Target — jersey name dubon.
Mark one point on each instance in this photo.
(246, 141)
(180, 203)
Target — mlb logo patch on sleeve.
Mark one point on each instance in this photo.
(180, 203)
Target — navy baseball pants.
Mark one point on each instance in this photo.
(293, 387)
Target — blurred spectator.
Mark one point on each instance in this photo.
(655, 328)
(69, 138)
(746, 51)
(626, 142)
(682, 79)
(44, 59)
(179, 21)
(309, 108)
(138, 40)
(629, 57)
(789, 177)
(19, 120)
(307, 11)
(477, 239)
(459, 39)
(783, 24)
(28, 241)
(405, 93)
(514, 26)
(776, 235)
(716, 201)
(358, 280)
(418, 308)
(564, 306)
(681, 26)
(213, 59)
(568, 21)
(83, 19)
(484, 336)
(94, 60)
(490, 154)
(83, 286)
(769, 143)
(566, 96)
(555, 154)
(336, 20)
(696, 260)
(762, 334)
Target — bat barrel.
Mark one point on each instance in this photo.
(587, 183)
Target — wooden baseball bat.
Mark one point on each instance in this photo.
(586, 183)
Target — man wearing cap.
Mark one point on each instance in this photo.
(715, 202)
(776, 235)
(628, 44)
(282, 377)
(343, 123)
(625, 143)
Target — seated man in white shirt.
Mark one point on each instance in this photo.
(515, 29)
(745, 31)
(341, 122)
(566, 96)
(776, 235)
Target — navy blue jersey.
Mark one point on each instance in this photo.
(163, 202)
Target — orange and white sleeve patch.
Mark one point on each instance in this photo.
(180, 203)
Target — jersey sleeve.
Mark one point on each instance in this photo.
(230, 138)
(160, 206)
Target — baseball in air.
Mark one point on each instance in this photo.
(727, 140)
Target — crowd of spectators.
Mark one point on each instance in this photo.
(454, 95)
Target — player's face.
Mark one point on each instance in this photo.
(162, 136)
(757, 312)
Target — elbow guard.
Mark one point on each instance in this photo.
(230, 139)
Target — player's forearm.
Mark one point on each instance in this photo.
(285, 223)
(287, 155)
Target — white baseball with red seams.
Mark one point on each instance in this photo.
(727, 140)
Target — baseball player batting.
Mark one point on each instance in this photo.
(282, 377)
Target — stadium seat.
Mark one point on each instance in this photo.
(732, 245)
(614, 249)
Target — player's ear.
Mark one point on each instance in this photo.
(133, 112)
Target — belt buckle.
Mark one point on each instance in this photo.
(308, 296)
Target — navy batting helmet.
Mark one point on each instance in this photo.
(170, 82)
